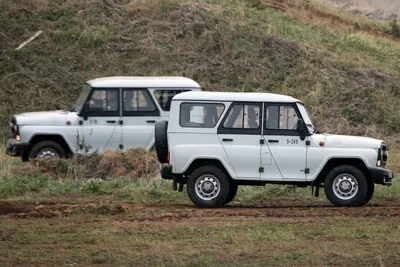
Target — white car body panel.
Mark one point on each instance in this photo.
(285, 160)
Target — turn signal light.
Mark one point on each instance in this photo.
(18, 138)
(379, 163)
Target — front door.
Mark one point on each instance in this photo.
(280, 134)
(101, 131)
(139, 115)
(240, 134)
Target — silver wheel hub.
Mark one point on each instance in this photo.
(48, 153)
(345, 186)
(207, 187)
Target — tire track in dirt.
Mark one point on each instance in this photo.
(179, 212)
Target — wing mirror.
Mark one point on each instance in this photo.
(85, 111)
(301, 127)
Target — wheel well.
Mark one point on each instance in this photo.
(333, 163)
(206, 162)
(55, 138)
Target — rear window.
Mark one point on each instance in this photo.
(200, 115)
(164, 97)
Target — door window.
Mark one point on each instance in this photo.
(242, 119)
(138, 102)
(281, 118)
(104, 102)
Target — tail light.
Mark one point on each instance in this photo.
(168, 157)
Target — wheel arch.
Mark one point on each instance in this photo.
(51, 137)
(198, 162)
(335, 162)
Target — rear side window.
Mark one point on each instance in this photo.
(164, 97)
(200, 115)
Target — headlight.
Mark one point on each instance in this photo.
(382, 156)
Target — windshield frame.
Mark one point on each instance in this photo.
(308, 119)
(82, 97)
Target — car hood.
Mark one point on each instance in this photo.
(57, 117)
(349, 141)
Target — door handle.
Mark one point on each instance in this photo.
(227, 140)
(111, 121)
(151, 121)
(273, 141)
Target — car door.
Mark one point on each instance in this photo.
(101, 131)
(240, 134)
(280, 134)
(139, 115)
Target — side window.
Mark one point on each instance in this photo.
(281, 117)
(200, 115)
(243, 117)
(104, 101)
(164, 97)
(138, 102)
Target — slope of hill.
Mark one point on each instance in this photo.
(349, 80)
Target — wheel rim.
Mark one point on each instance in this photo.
(48, 153)
(345, 186)
(207, 187)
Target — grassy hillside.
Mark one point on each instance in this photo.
(350, 80)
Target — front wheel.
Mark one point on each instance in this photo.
(346, 186)
(47, 149)
(208, 187)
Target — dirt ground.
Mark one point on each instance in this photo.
(278, 233)
(189, 213)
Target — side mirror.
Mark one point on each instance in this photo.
(85, 111)
(301, 128)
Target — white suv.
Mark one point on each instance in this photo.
(215, 141)
(111, 113)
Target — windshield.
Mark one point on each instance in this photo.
(82, 97)
(308, 119)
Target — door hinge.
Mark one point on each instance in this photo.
(261, 169)
(262, 141)
(121, 122)
(308, 143)
(121, 146)
(307, 170)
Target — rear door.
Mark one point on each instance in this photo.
(240, 134)
(139, 115)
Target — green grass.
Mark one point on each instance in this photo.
(349, 80)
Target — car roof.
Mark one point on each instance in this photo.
(143, 82)
(232, 96)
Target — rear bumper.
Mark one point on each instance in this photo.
(166, 172)
(16, 148)
(382, 176)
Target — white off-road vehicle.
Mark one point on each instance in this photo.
(112, 113)
(215, 141)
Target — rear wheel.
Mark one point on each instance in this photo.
(346, 186)
(47, 149)
(232, 193)
(208, 187)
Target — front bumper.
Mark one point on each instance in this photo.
(16, 148)
(382, 176)
(166, 172)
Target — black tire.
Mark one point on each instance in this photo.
(161, 141)
(217, 175)
(232, 193)
(370, 193)
(51, 145)
(355, 175)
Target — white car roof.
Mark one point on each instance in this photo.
(231, 96)
(143, 82)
